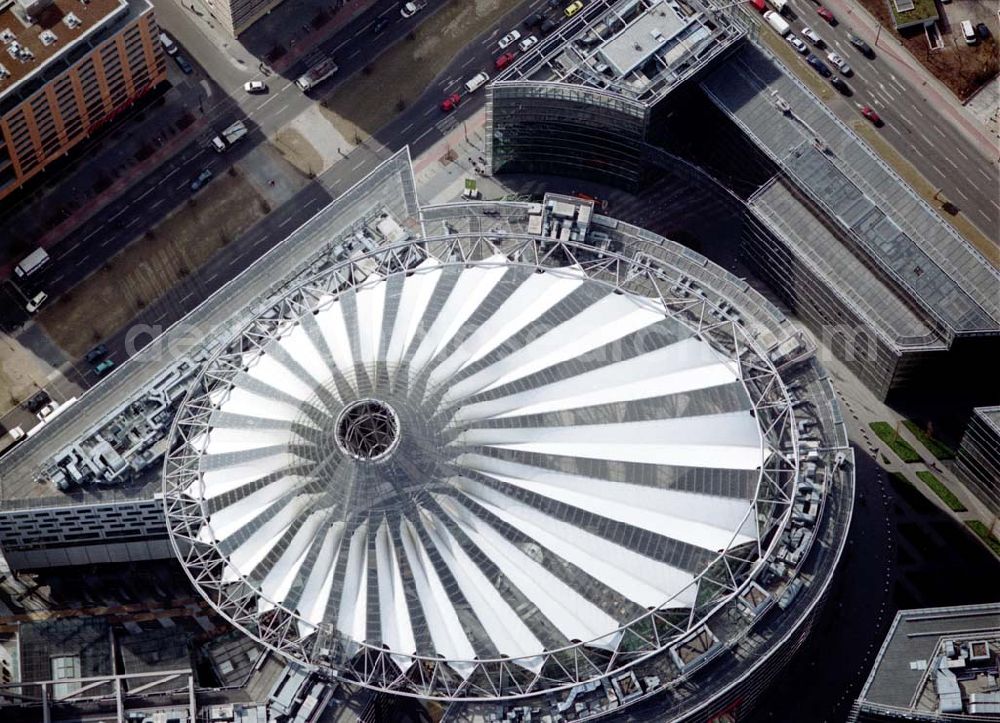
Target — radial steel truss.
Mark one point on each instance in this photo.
(431, 677)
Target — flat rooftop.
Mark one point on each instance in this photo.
(990, 415)
(35, 33)
(890, 225)
(916, 640)
(637, 49)
(827, 257)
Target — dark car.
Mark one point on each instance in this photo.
(183, 64)
(534, 20)
(379, 25)
(865, 48)
(203, 178)
(819, 65)
(547, 27)
(96, 354)
(842, 87)
(983, 31)
(37, 402)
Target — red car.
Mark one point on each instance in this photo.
(870, 114)
(826, 15)
(451, 102)
(504, 60)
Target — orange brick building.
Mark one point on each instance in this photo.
(66, 68)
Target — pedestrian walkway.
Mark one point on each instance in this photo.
(101, 174)
(932, 90)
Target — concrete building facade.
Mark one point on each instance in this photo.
(70, 67)
(235, 16)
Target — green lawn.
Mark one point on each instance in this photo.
(941, 491)
(980, 529)
(938, 449)
(900, 446)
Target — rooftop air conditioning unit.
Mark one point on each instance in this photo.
(47, 37)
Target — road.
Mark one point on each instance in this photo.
(420, 125)
(917, 131)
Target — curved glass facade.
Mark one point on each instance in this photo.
(565, 130)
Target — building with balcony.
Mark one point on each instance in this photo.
(68, 67)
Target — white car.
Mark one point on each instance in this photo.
(796, 43)
(810, 35)
(410, 9)
(528, 42)
(839, 63)
(16, 434)
(509, 39)
(255, 86)
(37, 301)
(45, 412)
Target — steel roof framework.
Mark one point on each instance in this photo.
(434, 677)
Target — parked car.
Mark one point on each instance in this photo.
(38, 401)
(819, 65)
(504, 60)
(104, 367)
(36, 301)
(839, 63)
(183, 64)
(842, 87)
(810, 35)
(869, 113)
(573, 8)
(528, 42)
(983, 30)
(379, 25)
(796, 43)
(47, 411)
(255, 86)
(509, 39)
(534, 20)
(451, 102)
(201, 180)
(96, 354)
(547, 27)
(865, 48)
(826, 15)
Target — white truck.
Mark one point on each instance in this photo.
(777, 22)
(778, 5)
(31, 263)
(317, 74)
(229, 136)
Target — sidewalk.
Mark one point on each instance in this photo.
(99, 177)
(933, 91)
(315, 22)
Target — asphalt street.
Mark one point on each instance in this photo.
(918, 132)
(420, 125)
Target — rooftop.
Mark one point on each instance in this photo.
(906, 13)
(34, 33)
(929, 652)
(637, 49)
(808, 238)
(990, 415)
(890, 225)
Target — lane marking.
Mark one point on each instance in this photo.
(951, 163)
(284, 223)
